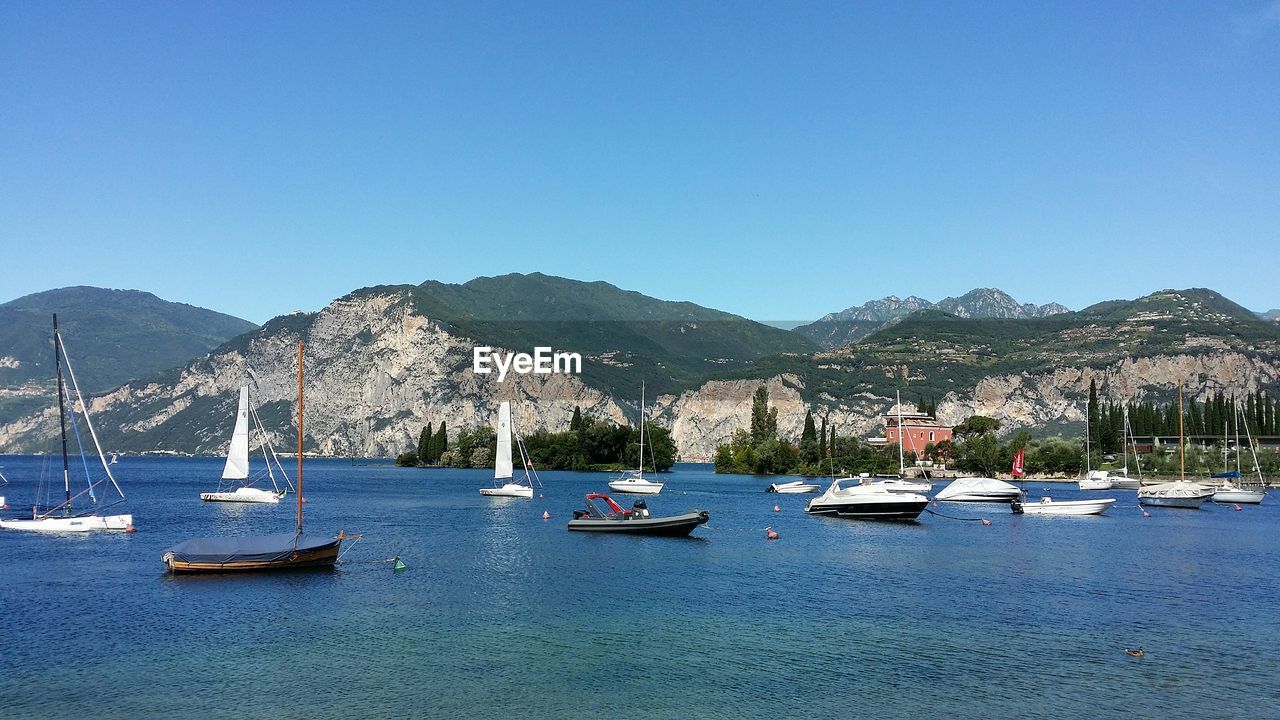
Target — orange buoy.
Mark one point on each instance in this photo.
(777, 509)
(770, 534)
(130, 529)
(986, 522)
(546, 515)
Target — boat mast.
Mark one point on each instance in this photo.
(642, 430)
(62, 413)
(1182, 441)
(299, 438)
(1088, 452)
(902, 465)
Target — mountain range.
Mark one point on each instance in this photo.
(382, 362)
(854, 323)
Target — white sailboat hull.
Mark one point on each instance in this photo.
(1125, 483)
(1237, 495)
(514, 490)
(1048, 506)
(636, 487)
(87, 523)
(242, 495)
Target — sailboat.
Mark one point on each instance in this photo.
(1120, 478)
(64, 518)
(632, 481)
(1238, 491)
(502, 466)
(1093, 479)
(901, 484)
(236, 469)
(283, 551)
(1179, 494)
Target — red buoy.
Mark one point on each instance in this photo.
(130, 529)
(986, 522)
(1146, 514)
(770, 534)
(546, 515)
(777, 509)
(1238, 508)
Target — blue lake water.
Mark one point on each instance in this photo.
(504, 615)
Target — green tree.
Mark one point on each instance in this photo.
(809, 452)
(976, 425)
(576, 423)
(424, 445)
(764, 420)
(441, 444)
(407, 459)
(1095, 417)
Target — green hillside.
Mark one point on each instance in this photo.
(112, 336)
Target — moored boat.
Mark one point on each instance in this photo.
(1049, 506)
(503, 468)
(866, 502)
(636, 521)
(633, 481)
(235, 472)
(978, 489)
(796, 487)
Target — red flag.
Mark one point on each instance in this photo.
(1017, 464)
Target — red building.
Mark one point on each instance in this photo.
(918, 432)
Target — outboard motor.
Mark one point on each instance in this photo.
(579, 514)
(1016, 506)
(640, 509)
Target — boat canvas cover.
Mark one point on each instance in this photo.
(254, 548)
(965, 486)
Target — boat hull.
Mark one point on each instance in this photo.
(241, 495)
(793, 488)
(1248, 497)
(862, 510)
(1065, 507)
(1118, 483)
(509, 490)
(636, 488)
(673, 526)
(313, 557)
(1187, 503)
(87, 523)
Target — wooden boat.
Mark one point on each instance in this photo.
(636, 521)
(284, 551)
(1178, 494)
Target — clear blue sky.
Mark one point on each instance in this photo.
(777, 160)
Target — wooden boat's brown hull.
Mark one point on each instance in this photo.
(314, 558)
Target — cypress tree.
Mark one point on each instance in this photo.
(823, 436)
(441, 443)
(424, 446)
(920, 406)
(809, 440)
(1095, 417)
(760, 415)
(576, 423)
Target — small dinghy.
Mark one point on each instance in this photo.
(796, 487)
(636, 521)
(1048, 506)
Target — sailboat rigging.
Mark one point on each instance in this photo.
(236, 469)
(502, 465)
(283, 551)
(63, 517)
(632, 481)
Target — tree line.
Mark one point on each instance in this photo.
(588, 444)
(1218, 413)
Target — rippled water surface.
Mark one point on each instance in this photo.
(504, 615)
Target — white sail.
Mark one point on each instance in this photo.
(502, 462)
(237, 467)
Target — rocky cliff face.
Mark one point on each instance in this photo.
(701, 419)
(375, 374)
(377, 371)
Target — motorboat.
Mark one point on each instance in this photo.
(901, 485)
(636, 521)
(866, 502)
(1178, 494)
(797, 487)
(1049, 506)
(1095, 480)
(978, 489)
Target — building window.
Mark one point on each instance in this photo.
(930, 436)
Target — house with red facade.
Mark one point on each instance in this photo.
(918, 431)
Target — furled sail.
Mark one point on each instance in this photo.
(237, 467)
(502, 462)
